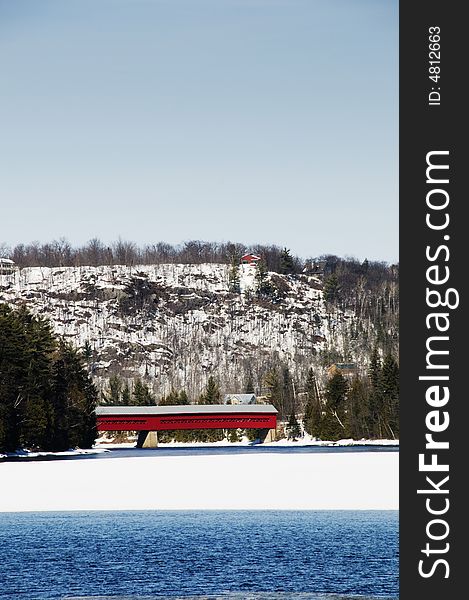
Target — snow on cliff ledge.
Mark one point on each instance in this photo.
(174, 323)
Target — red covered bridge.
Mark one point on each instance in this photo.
(193, 416)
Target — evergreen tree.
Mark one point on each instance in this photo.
(76, 409)
(374, 369)
(275, 394)
(170, 400)
(211, 393)
(376, 401)
(126, 397)
(47, 400)
(13, 366)
(141, 395)
(38, 423)
(287, 265)
(234, 436)
(174, 398)
(37, 413)
(312, 418)
(264, 288)
(333, 420)
(288, 394)
(331, 289)
(85, 400)
(293, 428)
(183, 398)
(234, 284)
(61, 400)
(357, 419)
(389, 388)
(87, 352)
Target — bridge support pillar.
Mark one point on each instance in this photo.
(267, 435)
(147, 439)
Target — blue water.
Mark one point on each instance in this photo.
(236, 555)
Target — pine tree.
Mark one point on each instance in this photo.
(87, 352)
(79, 402)
(126, 397)
(141, 395)
(288, 394)
(293, 428)
(234, 284)
(357, 419)
(37, 412)
(38, 424)
(331, 289)
(374, 369)
(211, 393)
(234, 436)
(272, 382)
(170, 399)
(47, 400)
(13, 366)
(389, 389)
(287, 265)
(62, 408)
(376, 402)
(174, 398)
(333, 420)
(183, 398)
(312, 418)
(264, 289)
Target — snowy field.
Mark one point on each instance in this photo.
(352, 481)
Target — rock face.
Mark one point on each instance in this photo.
(173, 324)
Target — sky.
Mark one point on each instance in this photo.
(255, 121)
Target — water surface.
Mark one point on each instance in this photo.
(235, 555)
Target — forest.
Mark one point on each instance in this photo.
(47, 398)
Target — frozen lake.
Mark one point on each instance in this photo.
(213, 478)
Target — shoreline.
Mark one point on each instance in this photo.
(104, 446)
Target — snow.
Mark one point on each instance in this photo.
(28, 454)
(198, 325)
(104, 442)
(330, 481)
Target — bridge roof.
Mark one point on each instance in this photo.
(188, 409)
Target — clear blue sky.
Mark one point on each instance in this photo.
(259, 121)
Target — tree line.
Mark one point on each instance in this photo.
(47, 398)
(60, 253)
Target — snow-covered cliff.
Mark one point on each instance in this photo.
(175, 323)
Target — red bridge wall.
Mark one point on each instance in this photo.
(172, 422)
